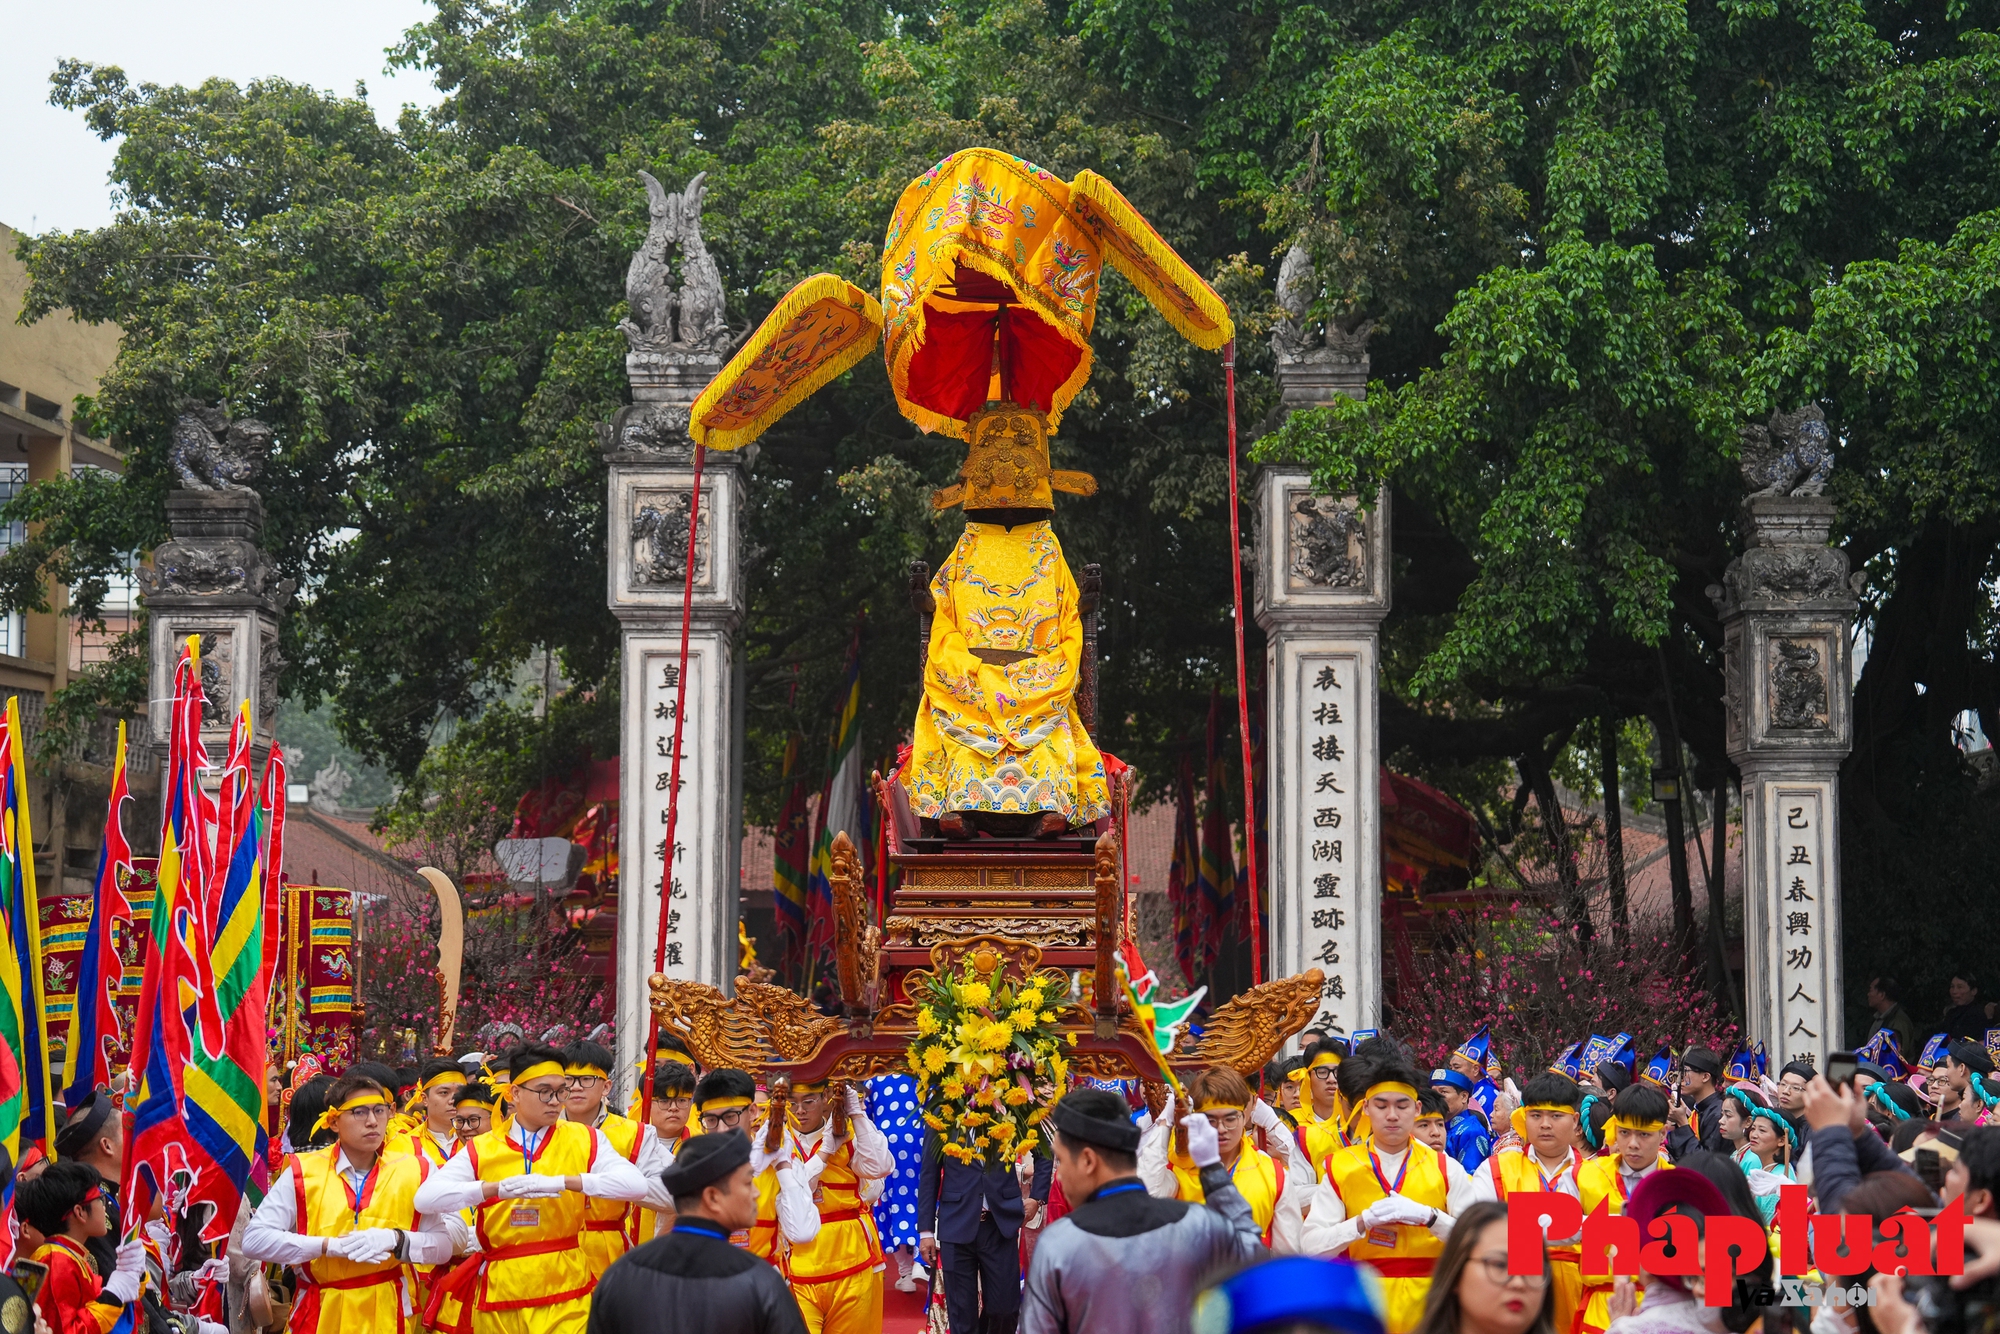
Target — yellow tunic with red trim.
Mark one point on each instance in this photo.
(337, 1294)
(1516, 1169)
(418, 1142)
(763, 1240)
(532, 1253)
(1407, 1259)
(1600, 1182)
(836, 1277)
(607, 1226)
(1256, 1177)
(1319, 1136)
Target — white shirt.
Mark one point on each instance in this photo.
(1295, 1181)
(873, 1162)
(272, 1235)
(1329, 1231)
(455, 1186)
(653, 1158)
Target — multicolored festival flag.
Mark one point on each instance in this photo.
(93, 1033)
(840, 808)
(185, 1141)
(240, 903)
(791, 864)
(27, 1107)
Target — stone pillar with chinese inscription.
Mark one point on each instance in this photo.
(1787, 612)
(1322, 567)
(677, 341)
(211, 578)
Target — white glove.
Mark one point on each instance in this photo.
(759, 1159)
(369, 1246)
(1203, 1147)
(1262, 1116)
(216, 1270)
(123, 1283)
(814, 1165)
(209, 1326)
(1166, 1116)
(1395, 1209)
(132, 1257)
(157, 1231)
(854, 1107)
(528, 1186)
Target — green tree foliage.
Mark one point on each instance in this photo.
(1601, 242)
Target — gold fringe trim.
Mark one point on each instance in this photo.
(821, 287)
(1135, 231)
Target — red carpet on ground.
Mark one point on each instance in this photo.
(903, 1312)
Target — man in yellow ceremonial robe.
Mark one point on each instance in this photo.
(438, 1083)
(1638, 1135)
(726, 1100)
(1322, 1113)
(529, 1183)
(586, 1081)
(1547, 1158)
(836, 1276)
(1388, 1200)
(997, 733)
(1270, 1183)
(346, 1218)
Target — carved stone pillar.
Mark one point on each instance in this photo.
(1787, 608)
(651, 483)
(212, 579)
(1322, 591)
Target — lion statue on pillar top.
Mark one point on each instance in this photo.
(989, 289)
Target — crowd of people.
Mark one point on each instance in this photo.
(505, 1195)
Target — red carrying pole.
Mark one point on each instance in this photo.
(674, 781)
(1243, 680)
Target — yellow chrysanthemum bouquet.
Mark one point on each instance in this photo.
(988, 1060)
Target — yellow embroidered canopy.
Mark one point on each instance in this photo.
(989, 288)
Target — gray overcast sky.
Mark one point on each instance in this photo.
(56, 171)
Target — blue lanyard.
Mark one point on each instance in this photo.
(702, 1226)
(1118, 1188)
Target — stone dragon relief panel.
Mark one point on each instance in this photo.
(1326, 542)
(659, 538)
(1797, 683)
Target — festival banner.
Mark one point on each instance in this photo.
(27, 1106)
(93, 1037)
(791, 864)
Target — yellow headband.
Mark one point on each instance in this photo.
(535, 1071)
(1297, 1076)
(587, 1070)
(476, 1101)
(1390, 1086)
(1520, 1118)
(1429, 1116)
(453, 1077)
(1219, 1105)
(1324, 1058)
(721, 1105)
(361, 1099)
(1641, 1127)
(680, 1056)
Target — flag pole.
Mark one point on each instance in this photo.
(673, 792)
(1243, 680)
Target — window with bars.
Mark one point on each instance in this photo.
(121, 607)
(13, 628)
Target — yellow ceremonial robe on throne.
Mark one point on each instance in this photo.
(1005, 739)
(1517, 1170)
(836, 1277)
(1407, 1263)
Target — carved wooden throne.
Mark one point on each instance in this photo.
(1009, 905)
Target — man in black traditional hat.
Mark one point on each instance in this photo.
(692, 1279)
(1123, 1261)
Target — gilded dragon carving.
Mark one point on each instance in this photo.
(1246, 1032)
(759, 1025)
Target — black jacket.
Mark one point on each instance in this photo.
(950, 1193)
(1682, 1140)
(693, 1280)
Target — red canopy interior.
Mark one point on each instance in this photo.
(952, 373)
